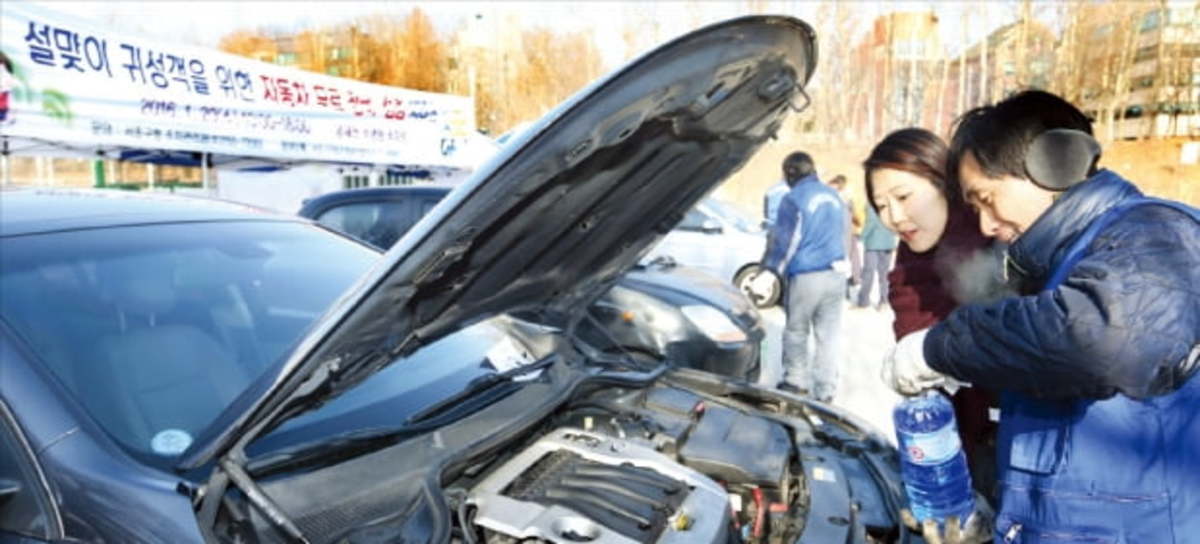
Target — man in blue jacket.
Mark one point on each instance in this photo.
(804, 242)
(771, 200)
(1099, 437)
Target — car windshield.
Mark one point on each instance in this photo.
(155, 329)
(733, 214)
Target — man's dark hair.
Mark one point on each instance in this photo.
(998, 136)
(798, 166)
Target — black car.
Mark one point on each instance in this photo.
(657, 309)
(188, 371)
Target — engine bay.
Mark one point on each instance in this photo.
(665, 465)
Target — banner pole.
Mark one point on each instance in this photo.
(6, 179)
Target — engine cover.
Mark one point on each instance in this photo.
(575, 486)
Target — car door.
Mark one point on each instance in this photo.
(26, 514)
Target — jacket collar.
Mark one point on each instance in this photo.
(1039, 250)
(806, 179)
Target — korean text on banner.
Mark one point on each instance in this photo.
(77, 85)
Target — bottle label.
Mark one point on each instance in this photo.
(931, 448)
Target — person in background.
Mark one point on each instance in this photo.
(771, 200)
(807, 238)
(7, 84)
(944, 262)
(1096, 359)
(878, 245)
(855, 218)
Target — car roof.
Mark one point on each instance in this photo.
(33, 211)
(316, 205)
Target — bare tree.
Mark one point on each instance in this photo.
(1065, 78)
(1125, 33)
(962, 63)
(416, 55)
(984, 97)
(943, 82)
(254, 44)
(1162, 71)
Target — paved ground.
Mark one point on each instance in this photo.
(866, 338)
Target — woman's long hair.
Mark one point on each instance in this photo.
(916, 151)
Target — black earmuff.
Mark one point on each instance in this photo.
(1060, 158)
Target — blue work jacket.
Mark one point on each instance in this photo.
(1099, 437)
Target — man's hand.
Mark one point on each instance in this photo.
(977, 529)
(904, 369)
(763, 283)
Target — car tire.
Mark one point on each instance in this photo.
(772, 297)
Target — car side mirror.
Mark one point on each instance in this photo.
(710, 226)
(8, 489)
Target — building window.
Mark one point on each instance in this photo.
(1150, 21)
(1145, 53)
(1181, 15)
(338, 53)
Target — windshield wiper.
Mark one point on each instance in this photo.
(478, 393)
(453, 403)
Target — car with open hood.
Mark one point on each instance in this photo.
(657, 308)
(183, 370)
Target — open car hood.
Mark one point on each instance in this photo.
(554, 219)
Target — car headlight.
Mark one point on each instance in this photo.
(714, 324)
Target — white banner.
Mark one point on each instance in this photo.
(75, 85)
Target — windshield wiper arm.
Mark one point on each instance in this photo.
(330, 450)
(476, 387)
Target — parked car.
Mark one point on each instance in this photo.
(657, 308)
(186, 371)
(715, 236)
(718, 238)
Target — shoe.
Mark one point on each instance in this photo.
(789, 388)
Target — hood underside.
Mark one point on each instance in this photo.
(554, 220)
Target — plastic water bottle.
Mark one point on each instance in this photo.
(932, 463)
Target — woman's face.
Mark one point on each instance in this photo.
(911, 206)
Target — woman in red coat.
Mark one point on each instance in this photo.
(943, 262)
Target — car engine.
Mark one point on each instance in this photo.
(659, 465)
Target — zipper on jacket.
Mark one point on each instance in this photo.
(1012, 533)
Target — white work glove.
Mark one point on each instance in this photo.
(977, 529)
(905, 371)
(762, 283)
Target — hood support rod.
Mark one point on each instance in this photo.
(231, 471)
